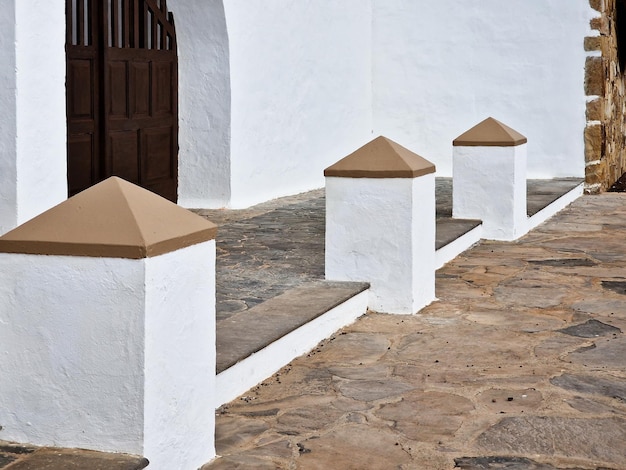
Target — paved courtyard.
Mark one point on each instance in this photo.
(519, 365)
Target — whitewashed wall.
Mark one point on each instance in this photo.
(301, 92)
(32, 100)
(204, 103)
(61, 351)
(8, 131)
(440, 67)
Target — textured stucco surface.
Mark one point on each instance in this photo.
(72, 332)
(204, 103)
(301, 92)
(489, 184)
(439, 69)
(111, 354)
(382, 231)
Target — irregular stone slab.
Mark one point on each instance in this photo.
(241, 461)
(607, 354)
(616, 286)
(590, 329)
(531, 295)
(355, 349)
(594, 407)
(427, 417)
(375, 372)
(371, 390)
(314, 417)
(65, 459)
(510, 401)
(235, 432)
(613, 388)
(598, 440)
(563, 262)
(557, 346)
(509, 463)
(353, 447)
(607, 307)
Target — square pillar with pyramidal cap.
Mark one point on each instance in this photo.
(380, 225)
(489, 179)
(107, 327)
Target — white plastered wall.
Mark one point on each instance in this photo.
(32, 100)
(204, 103)
(111, 354)
(382, 231)
(8, 130)
(440, 67)
(301, 92)
(180, 350)
(69, 354)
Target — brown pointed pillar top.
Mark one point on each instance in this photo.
(490, 133)
(113, 219)
(381, 158)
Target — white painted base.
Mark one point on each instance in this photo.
(558, 205)
(382, 231)
(453, 249)
(246, 374)
(489, 184)
(110, 354)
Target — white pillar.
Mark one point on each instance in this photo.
(33, 174)
(107, 324)
(380, 225)
(489, 179)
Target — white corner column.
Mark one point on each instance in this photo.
(380, 225)
(489, 180)
(107, 327)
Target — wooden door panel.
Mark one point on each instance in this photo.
(162, 88)
(122, 99)
(124, 149)
(80, 99)
(140, 89)
(118, 90)
(156, 151)
(81, 162)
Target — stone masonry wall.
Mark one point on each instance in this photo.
(605, 87)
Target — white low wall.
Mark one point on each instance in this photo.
(442, 66)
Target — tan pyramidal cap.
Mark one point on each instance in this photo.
(113, 219)
(490, 133)
(381, 158)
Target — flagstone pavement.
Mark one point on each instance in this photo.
(520, 364)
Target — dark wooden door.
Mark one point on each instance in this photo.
(122, 94)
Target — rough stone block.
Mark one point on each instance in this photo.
(594, 76)
(594, 142)
(596, 5)
(596, 174)
(593, 43)
(594, 110)
(600, 24)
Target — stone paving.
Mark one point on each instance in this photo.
(519, 365)
(21, 457)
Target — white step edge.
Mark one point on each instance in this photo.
(453, 249)
(555, 206)
(257, 367)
